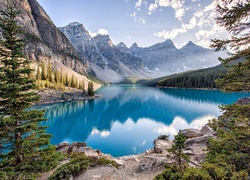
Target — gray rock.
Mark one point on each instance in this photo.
(206, 129)
(78, 147)
(62, 147)
(161, 145)
(191, 133)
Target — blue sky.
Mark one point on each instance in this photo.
(145, 22)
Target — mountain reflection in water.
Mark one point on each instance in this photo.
(129, 117)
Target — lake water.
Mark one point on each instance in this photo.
(128, 118)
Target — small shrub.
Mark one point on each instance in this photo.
(102, 162)
(163, 137)
(78, 164)
(170, 173)
(192, 173)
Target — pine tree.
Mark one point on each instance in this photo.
(38, 78)
(235, 19)
(50, 73)
(91, 91)
(177, 149)
(73, 81)
(67, 81)
(24, 144)
(43, 72)
(83, 86)
(61, 77)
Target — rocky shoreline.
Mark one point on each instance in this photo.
(143, 166)
(50, 96)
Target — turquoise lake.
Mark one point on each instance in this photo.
(128, 118)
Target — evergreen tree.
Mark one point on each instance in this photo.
(67, 81)
(61, 77)
(44, 77)
(73, 81)
(177, 150)
(91, 91)
(57, 77)
(229, 153)
(24, 145)
(83, 86)
(38, 78)
(234, 17)
(50, 73)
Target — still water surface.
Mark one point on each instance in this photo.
(128, 118)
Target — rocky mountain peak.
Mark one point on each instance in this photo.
(74, 24)
(103, 39)
(121, 45)
(134, 46)
(190, 46)
(123, 48)
(168, 44)
(77, 35)
(190, 43)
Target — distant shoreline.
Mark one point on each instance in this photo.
(187, 88)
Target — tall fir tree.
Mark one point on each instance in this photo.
(43, 72)
(83, 86)
(50, 72)
(24, 145)
(177, 150)
(234, 17)
(91, 91)
(38, 78)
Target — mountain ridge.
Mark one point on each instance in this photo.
(45, 42)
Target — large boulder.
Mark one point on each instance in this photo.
(62, 147)
(161, 145)
(191, 133)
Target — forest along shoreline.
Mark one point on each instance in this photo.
(52, 96)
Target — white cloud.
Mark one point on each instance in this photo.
(191, 25)
(100, 31)
(152, 8)
(175, 32)
(129, 37)
(177, 5)
(103, 134)
(103, 32)
(163, 3)
(137, 19)
(138, 4)
(179, 13)
(170, 34)
(200, 29)
(95, 131)
(181, 123)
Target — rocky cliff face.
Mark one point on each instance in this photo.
(45, 41)
(109, 62)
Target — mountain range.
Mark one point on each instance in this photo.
(74, 50)
(112, 63)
